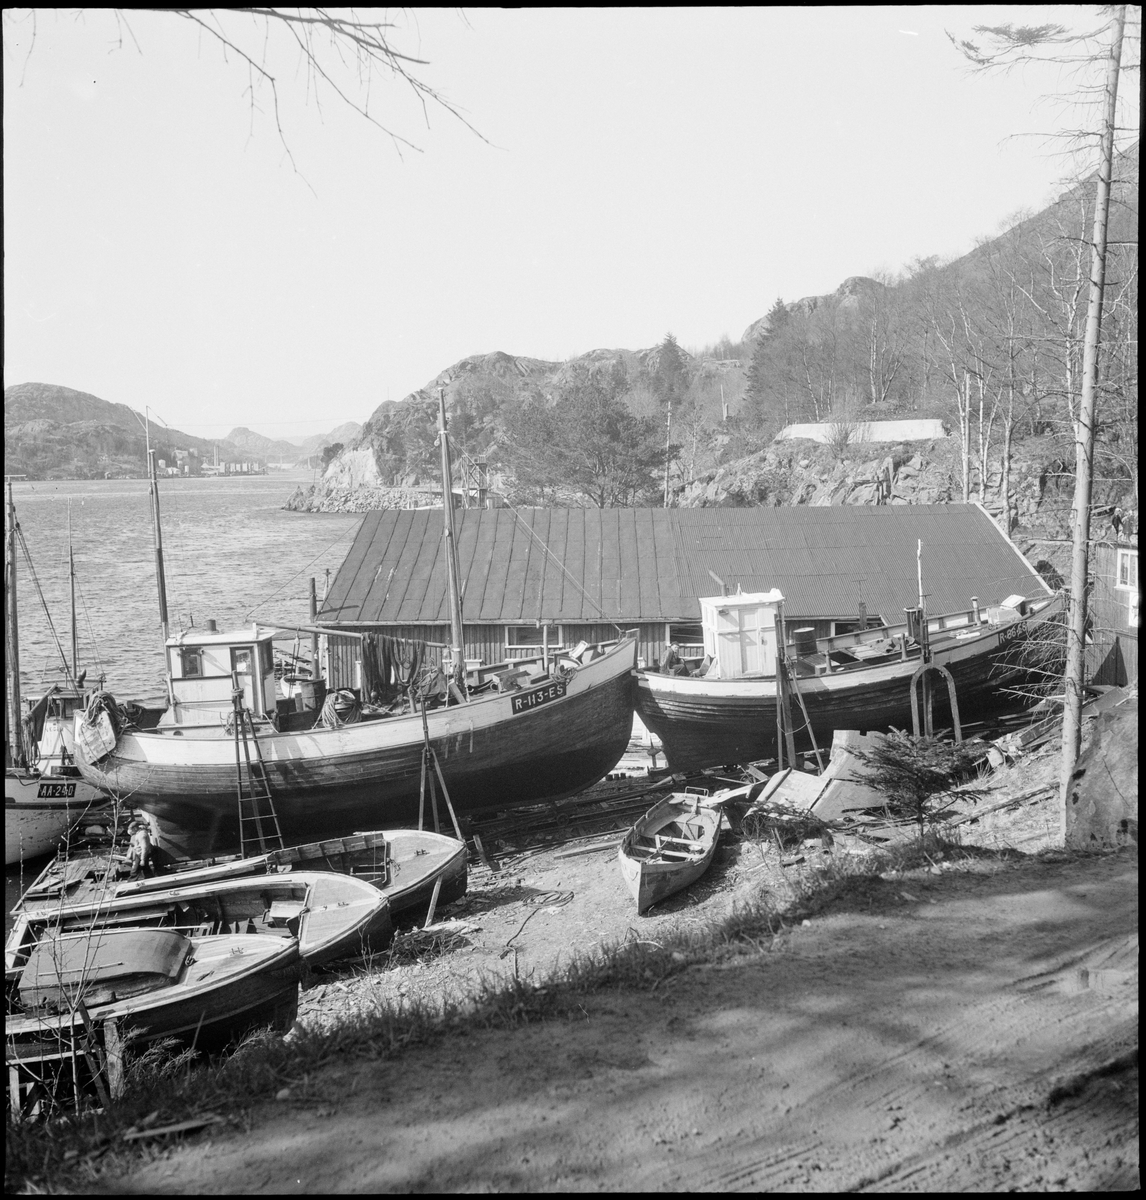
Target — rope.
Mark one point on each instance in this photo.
(559, 564)
(325, 550)
(341, 708)
(43, 602)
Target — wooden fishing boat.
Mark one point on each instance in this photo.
(670, 847)
(129, 987)
(44, 794)
(857, 680)
(540, 731)
(556, 736)
(332, 916)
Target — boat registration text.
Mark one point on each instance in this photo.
(541, 695)
(56, 791)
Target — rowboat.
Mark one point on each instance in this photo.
(44, 795)
(860, 680)
(670, 847)
(528, 733)
(332, 916)
(152, 983)
(404, 865)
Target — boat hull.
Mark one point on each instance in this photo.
(233, 984)
(495, 752)
(653, 874)
(704, 722)
(36, 817)
(332, 915)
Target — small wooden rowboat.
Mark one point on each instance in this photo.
(332, 916)
(671, 846)
(153, 983)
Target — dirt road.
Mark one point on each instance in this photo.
(955, 1031)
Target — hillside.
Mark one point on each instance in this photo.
(55, 432)
(988, 343)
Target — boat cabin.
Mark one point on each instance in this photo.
(205, 666)
(740, 633)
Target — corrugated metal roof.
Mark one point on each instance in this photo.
(651, 564)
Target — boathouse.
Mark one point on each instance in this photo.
(554, 577)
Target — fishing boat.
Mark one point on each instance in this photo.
(44, 794)
(670, 847)
(534, 732)
(859, 680)
(403, 864)
(332, 916)
(130, 987)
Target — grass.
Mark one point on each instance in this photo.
(166, 1086)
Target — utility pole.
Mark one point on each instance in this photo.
(1084, 428)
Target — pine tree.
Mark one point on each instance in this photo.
(670, 380)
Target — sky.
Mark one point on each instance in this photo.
(634, 172)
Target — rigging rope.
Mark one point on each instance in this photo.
(560, 565)
(43, 601)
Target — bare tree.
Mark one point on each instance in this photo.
(343, 54)
(1009, 45)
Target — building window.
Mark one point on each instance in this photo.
(1127, 570)
(191, 660)
(839, 627)
(1126, 579)
(689, 636)
(532, 637)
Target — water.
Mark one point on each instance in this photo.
(231, 553)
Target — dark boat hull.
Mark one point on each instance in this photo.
(705, 723)
(329, 783)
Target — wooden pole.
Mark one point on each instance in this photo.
(457, 633)
(72, 590)
(1084, 433)
(14, 751)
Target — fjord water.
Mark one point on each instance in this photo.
(231, 553)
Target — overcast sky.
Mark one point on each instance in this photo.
(644, 171)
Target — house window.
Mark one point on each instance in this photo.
(531, 637)
(241, 661)
(1127, 570)
(191, 661)
(1126, 579)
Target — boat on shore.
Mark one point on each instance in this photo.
(500, 736)
(404, 865)
(126, 988)
(860, 680)
(44, 793)
(670, 847)
(332, 916)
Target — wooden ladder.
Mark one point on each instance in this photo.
(258, 822)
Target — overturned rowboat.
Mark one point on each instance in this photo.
(670, 847)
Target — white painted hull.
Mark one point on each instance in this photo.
(35, 821)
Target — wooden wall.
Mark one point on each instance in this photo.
(1112, 657)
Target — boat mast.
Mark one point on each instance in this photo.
(157, 534)
(14, 743)
(72, 590)
(457, 638)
